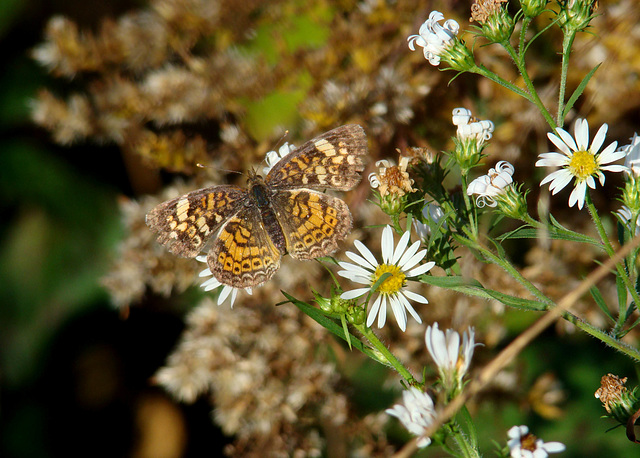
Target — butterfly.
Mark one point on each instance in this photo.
(246, 231)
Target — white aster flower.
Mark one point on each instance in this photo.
(273, 157)
(401, 263)
(432, 213)
(490, 185)
(433, 37)
(416, 413)
(213, 283)
(450, 355)
(523, 444)
(632, 155)
(578, 160)
(626, 216)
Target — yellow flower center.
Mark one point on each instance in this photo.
(393, 283)
(583, 164)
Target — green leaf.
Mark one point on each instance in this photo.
(475, 288)
(556, 233)
(330, 325)
(450, 282)
(578, 92)
(597, 296)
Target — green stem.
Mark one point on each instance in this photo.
(484, 71)
(621, 271)
(523, 34)
(567, 43)
(548, 303)
(518, 59)
(389, 357)
(471, 209)
(464, 446)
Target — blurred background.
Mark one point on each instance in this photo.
(77, 371)
(74, 374)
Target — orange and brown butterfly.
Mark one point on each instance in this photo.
(246, 231)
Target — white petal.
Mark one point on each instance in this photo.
(415, 297)
(561, 179)
(382, 314)
(614, 168)
(387, 244)
(609, 154)
(374, 310)
(581, 130)
(426, 267)
(553, 175)
(413, 261)
(408, 255)
(365, 252)
(598, 140)
(234, 294)
(402, 245)
(224, 294)
(399, 312)
(552, 160)
(353, 268)
(352, 294)
(409, 308)
(578, 195)
(360, 260)
(558, 139)
(554, 447)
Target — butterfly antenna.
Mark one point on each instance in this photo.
(205, 166)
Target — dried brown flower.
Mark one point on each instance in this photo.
(611, 390)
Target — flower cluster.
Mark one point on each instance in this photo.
(434, 38)
(471, 137)
(488, 186)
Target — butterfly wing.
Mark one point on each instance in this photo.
(312, 222)
(243, 255)
(186, 224)
(331, 161)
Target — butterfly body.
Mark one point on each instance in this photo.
(246, 231)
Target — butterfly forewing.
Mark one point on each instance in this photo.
(330, 161)
(185, 224)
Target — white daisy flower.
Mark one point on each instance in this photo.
(490, 185)
(632, 155)
(578, 160)
(401, 263)
(433, 37)
(416, 413)
(273, 157)
(213, 283)
(523, 444)
(452, 358)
